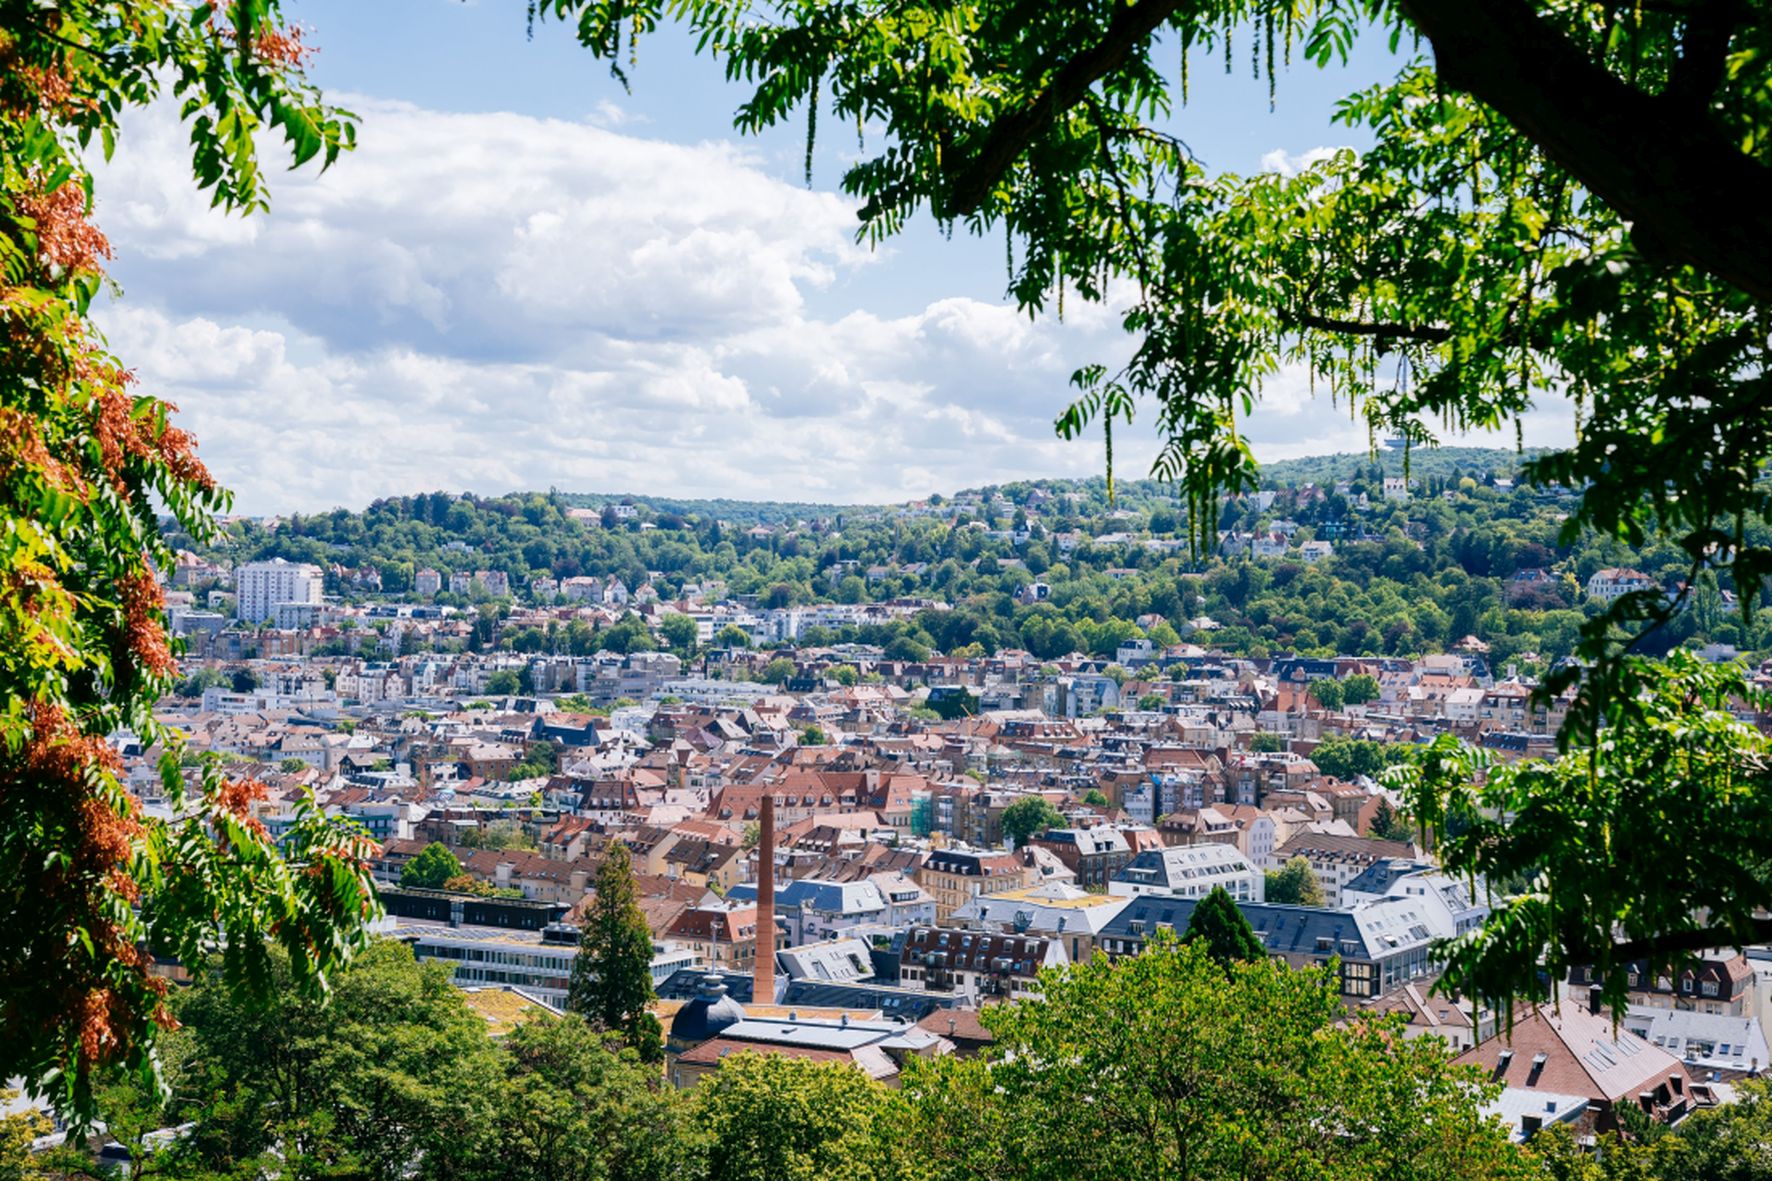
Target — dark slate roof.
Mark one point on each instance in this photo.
(685, 984)
(708, 1015)
(1149, 909)
(908, 1004)
(1288, 930)
(1302, 667)
(1380, 876)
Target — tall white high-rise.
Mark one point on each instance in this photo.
(260, 586)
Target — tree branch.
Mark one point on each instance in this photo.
(1006, 139)
(1691, 195)
(1704, 55)
(1657, 948)
(1427, 333)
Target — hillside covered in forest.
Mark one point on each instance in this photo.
(1340, 554)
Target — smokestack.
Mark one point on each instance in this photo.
(763, 980)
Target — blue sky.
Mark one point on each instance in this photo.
(527, 277)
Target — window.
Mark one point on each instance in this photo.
(1709, 988)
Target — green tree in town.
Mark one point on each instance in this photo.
(499, 834)
(1728, 1143)
(679, 631)
(573, 1106)
(1174, 1064)
(1294, 884)
(1220, 926)
(732, 636)
(767, 1116)
(390, 1078)
(612, 975)
(1360, 689)
(540, 760)
(1027, 818)
(17, 1131)
(1095, 799)
(778, 671)
(1388, 825)
(1267, 742)
(88, 465)
(1350, 758)
(504, 683)
(1328, 693)
(433, 866)
(949, 706)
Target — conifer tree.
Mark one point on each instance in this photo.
(1388, 825)
(612, 976)
(1220, 925)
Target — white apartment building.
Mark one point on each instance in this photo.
(1190, 871)
(260, 587)
(1607, 585)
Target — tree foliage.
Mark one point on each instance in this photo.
(1387, 825)
(1604, 834)
(1328, 693)
(398, 1078)
(1360, 689)
(434, 865)
(1027, 818)
(1295, 884)
(87, 881)
(1172, 1064)
(1728, 1143)
(1352, 758)
(575, 1107)
(612, 974)
(17, 1130)
(1220, 926)
(768, 1116)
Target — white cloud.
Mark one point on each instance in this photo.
(494, 302)
(1292, 163)
(608, 113)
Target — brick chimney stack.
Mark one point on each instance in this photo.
(763, 980)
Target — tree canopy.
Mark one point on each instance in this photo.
(434, 865)
(1220, 926)
(1171, 1064)
(87, 880)
(612, 975)
(1026, 818)
(1295, 884)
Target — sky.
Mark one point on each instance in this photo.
(526, 277)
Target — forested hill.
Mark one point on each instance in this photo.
(1442, 462)
(1466, 552)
